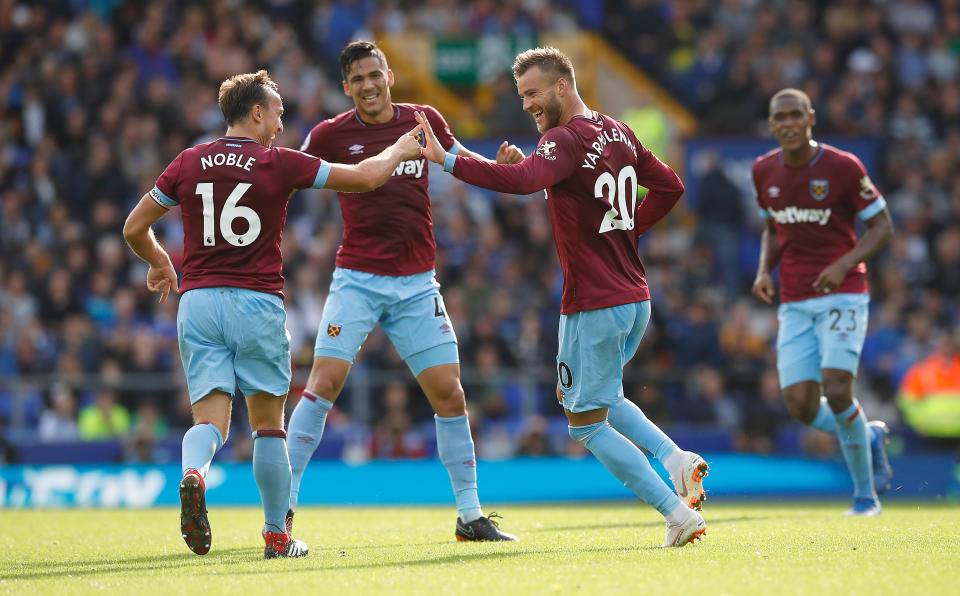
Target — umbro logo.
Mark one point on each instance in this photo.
(774, 192)
(356, 149)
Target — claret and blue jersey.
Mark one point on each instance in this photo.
(814, 208)
(387, 231)
(233, 196)
(591, 168)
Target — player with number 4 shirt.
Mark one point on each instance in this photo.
(591, 166)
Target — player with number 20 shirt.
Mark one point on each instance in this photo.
(591, 167)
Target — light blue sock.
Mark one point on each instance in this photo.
(627, 463)
(825, 420)
(303, 435)
(271, 470)
(455, 448)
(200, 443)
(630, 421)
(855, 444)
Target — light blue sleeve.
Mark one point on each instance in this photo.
(322, 174)
(161, 199)
(449, 161)
(872, 209)
(764, 213)
(455, 149)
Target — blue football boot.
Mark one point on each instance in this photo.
(882, 472)
(865, 507)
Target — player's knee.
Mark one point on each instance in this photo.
(839, 393)
(265, 420)
(451, 402)
(801, 407)
(325, 385)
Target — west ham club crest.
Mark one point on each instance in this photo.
(819, 189)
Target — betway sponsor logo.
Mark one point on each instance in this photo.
(794, 215)
(411, 166)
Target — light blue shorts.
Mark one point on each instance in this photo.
(595, 345)
(233, 337)
(818, 333)
(409, 308)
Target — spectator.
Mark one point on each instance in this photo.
(930, 393)
(104, 419)
(393, 436)
(59, 421)
(87, 116)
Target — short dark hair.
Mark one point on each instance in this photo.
(801, 96)
(241, 92)
(550, 60)
(358, 50)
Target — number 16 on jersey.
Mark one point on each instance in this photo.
(231, 211)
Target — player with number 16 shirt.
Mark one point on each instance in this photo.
(231, 326)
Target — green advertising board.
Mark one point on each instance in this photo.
(477, 60)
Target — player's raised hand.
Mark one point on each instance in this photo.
(432, 149)
(763, 287)
(831, 277)
(509, 153)
(162, 279)
(410, 143)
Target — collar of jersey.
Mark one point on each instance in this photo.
(396, 116)
(594, 116)
(238, 139)
(812, 162)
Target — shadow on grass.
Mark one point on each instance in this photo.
(447, 558)
(651, 524)
(82, 567)
(89, 567)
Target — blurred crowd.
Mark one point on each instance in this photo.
(98, 96)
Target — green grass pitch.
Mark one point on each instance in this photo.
(750, 548)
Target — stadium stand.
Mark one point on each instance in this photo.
(97, 96)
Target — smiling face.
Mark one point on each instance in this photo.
(791, 122)
(368, 83)
(540, 97)
(272, 117)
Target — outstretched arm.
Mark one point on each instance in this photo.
(505, 154)
(526, 177)
(161, 277)
(374, 172)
